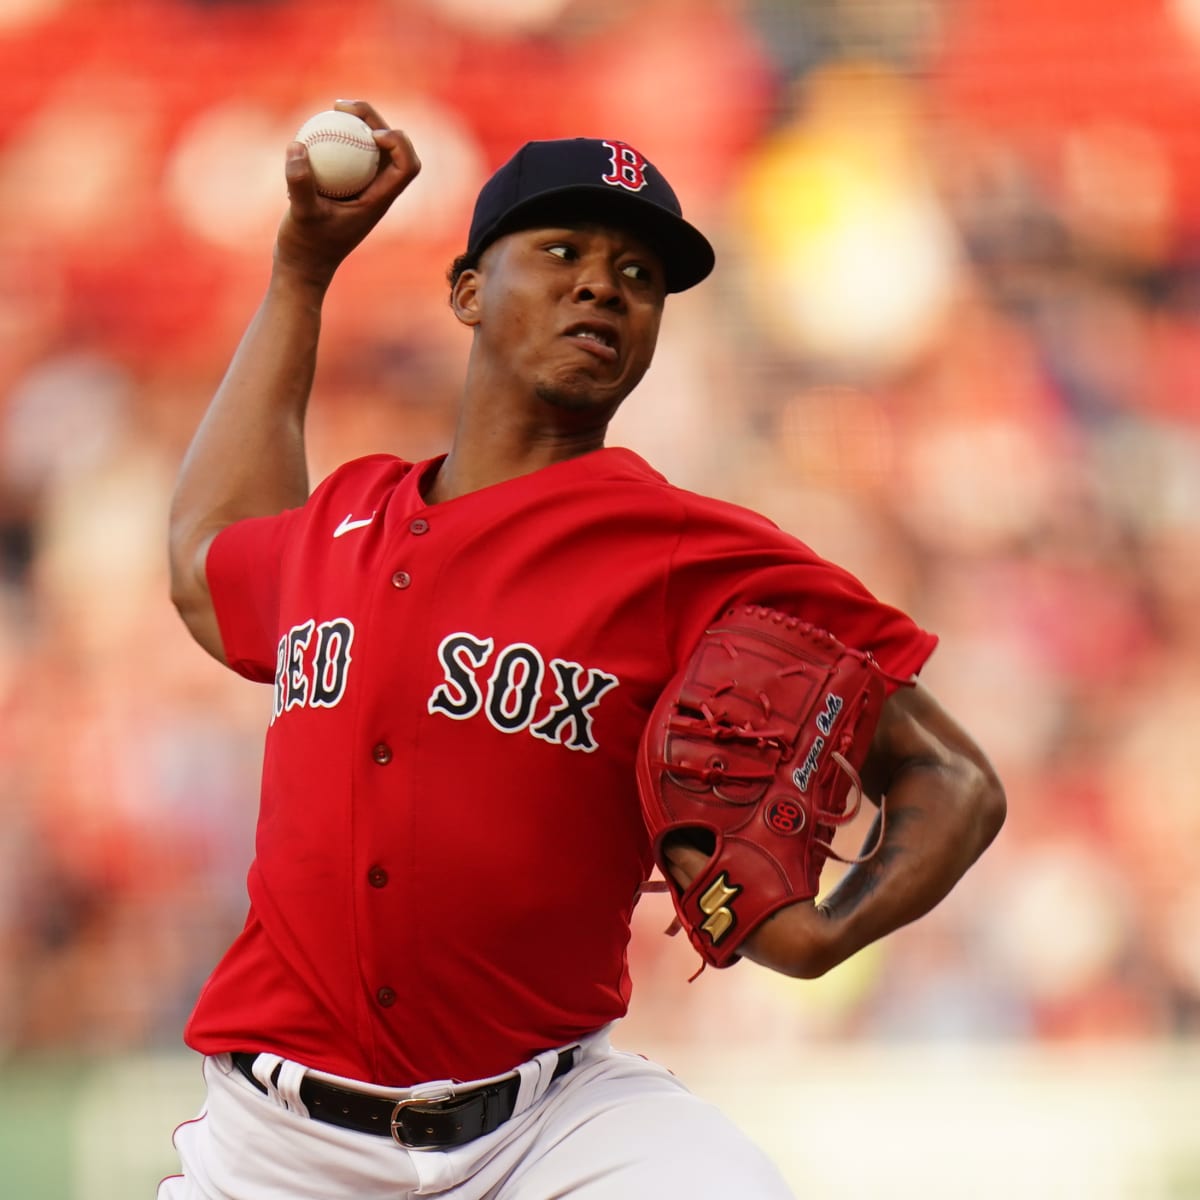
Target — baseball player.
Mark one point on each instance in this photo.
(463, 654)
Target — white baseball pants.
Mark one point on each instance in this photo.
(616, 1127)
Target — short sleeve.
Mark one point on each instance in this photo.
(733, 556)
(244, 569)
(830, 597)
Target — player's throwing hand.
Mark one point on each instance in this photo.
(318, 232)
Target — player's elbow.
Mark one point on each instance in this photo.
(190, 595)
(983, 800)
(200, 619)
(994, 807)
(188, 581)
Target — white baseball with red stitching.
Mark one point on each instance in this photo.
(341, 151)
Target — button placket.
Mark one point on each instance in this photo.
(381, 753)
(401, 579)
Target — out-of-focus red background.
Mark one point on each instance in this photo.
(952, 341)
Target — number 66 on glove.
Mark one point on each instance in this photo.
(750, 755)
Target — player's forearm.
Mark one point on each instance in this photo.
(941, 815)
(939, 819)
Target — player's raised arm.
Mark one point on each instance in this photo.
(248, 457)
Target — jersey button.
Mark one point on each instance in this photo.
(386, 997)
(401, 579)
(420, 525)
(377, 877)
(382, 754)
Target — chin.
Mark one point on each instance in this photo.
(575, 398)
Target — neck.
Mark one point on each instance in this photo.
(506, 429)
(485, 454)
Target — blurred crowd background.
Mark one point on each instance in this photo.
(952, 342)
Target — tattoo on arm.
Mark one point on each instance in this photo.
(864, 878)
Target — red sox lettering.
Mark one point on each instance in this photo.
(510, 696)
(312, 672)
(313, 660)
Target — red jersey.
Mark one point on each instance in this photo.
(450, 843)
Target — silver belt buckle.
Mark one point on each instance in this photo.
(434, 1096)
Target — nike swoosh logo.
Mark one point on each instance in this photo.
(347, 524)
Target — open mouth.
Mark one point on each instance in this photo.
(595, 339)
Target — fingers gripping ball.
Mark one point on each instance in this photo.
(751, 754)
(341, 151)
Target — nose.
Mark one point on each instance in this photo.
(597, 284)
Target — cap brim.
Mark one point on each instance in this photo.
(686, 254)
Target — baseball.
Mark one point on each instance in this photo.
(341, 151)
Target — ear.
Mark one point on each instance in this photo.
(464, 299)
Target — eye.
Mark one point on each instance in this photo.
(637, 271)
(562, 250)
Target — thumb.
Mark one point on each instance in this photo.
(302, 190)
(685, 863)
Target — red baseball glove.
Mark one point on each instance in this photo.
(750, 754)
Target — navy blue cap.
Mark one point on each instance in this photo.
(582, 179)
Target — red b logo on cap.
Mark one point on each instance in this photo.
(628, 167)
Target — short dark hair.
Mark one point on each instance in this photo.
(464, 262)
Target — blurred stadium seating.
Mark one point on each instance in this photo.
(953, 341)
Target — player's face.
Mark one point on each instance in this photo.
(571, 313)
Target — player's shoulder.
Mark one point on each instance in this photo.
(698, 509)
(712, 510)
(366, 478)
(366, 470)
(705, 515)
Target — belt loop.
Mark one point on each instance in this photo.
(265, 1066)
(290, 1076)
(535, 1076)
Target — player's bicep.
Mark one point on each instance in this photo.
(915, 732)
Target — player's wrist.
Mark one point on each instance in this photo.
(296, 280)
(800, 940)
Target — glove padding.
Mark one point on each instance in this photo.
(750, 755)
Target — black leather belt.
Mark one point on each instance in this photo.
(425, 1123)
